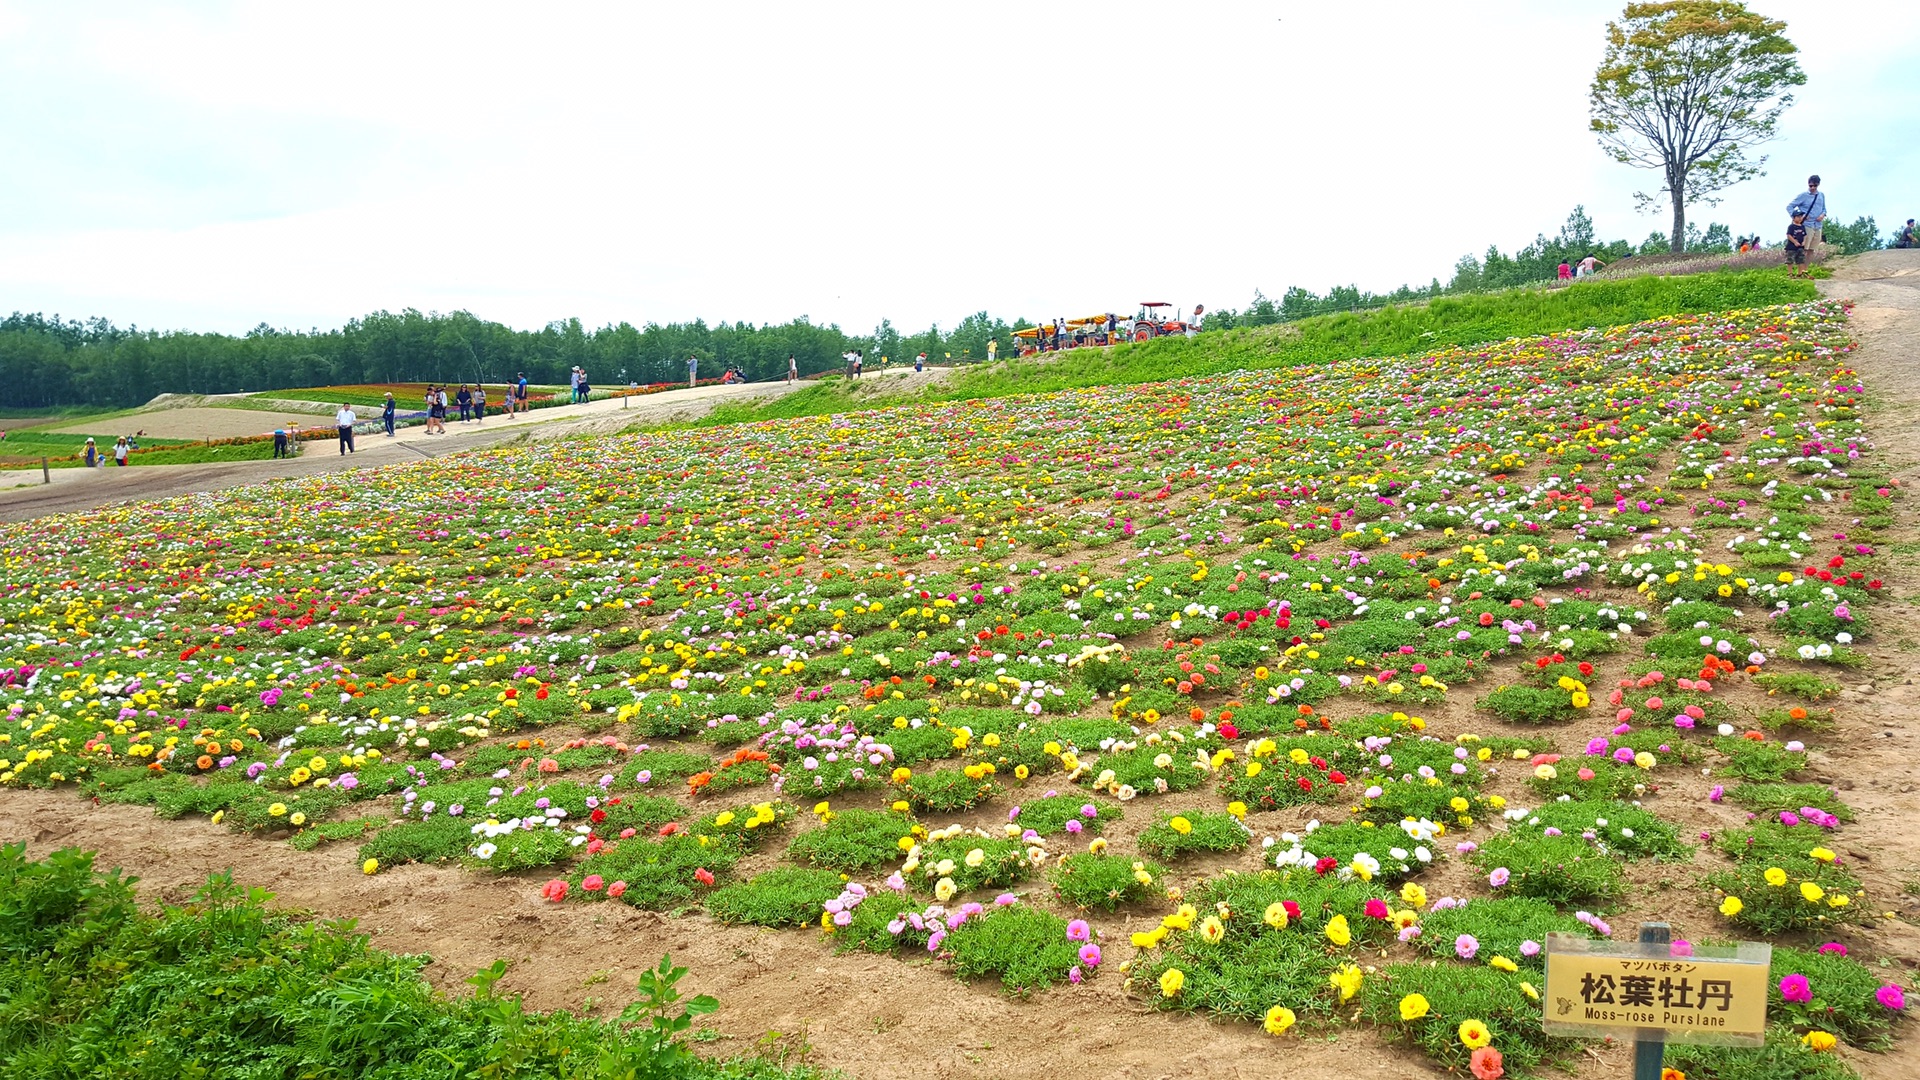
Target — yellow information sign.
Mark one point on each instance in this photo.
(1643, 990)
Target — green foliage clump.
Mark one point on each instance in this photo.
(1798, 684)
(1784, 1057)
(658, 873)
(1811, 895)
(1624, 829)
(1244, 977)
(1530, 705)
(89, 974)
(868, 931)
(1455, 993)
(1773, 798)
(948, 791)
(786, 896)
(1500, 926)
(853, 841)
(1025, 947)
(1207, 830)
(1001, 863)
(1844, 991)
(1561, 869)
(1049, 814)
(1104, 881)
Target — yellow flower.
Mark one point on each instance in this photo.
(1545, 772)
(1822, 854)
(900, 806)
(1581, 700)
(1819, 1041)
(1474, 1034)
(1413, 895)
(1503, 964)
(1731, 906)
(1180, 825)
(1458, 804)
(1237, 809)
(975, 858)
(278, 809)
(1276, 916)
(1527, 989)
(1171, 980)
(1279, 1019)
(821, 808)
(1838, 900)
(1346, 980)
(1151, 939)
(371, 866)
(1812, 892)
(1776, 877)
(944, 889)
(1337, 931)
(1212, 930)
(1097, 845)
(1413, 1007)
(1253, 769)
(1020, 772)
(724, 819)
(902, 774)
(299, 818)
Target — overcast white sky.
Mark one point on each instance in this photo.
(213, 166)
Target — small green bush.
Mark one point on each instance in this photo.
(869, 932)
(1773, 798)
(1783, 1057)
(948, 791)
(1561, 869)
(1207, 830)
(1025, 947)
(1457, 992)
(1761, 761)
(1499, 926)
(853, 841)
(1049, 815)
(658, 873)
(1103, 881)
(1770, 909)
(787, 896)
(1530, 705)
(1002, 863)
(1627, 830)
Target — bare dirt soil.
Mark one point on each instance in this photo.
(194, 423)
(879, 1018)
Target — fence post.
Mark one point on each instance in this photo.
(1649, 1048)
(45, 476)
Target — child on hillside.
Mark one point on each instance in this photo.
(1797, 245)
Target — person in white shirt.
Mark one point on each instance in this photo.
(344, 421)
(793, 369)
(1199, 314)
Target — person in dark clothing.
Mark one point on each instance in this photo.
(1906, 239)
(464, 399)
(1797, 245)
(386, 415)
(280, 443)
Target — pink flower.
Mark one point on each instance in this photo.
(1073, 975)
(1680, 948)
(1834, 947)
(1795, 988)
(1500, 876)
(593, 883)
(617, 890)
(555, 890)
(1718, 791)
(1077, 930)
(1090, 955)
(1465, 946)
(704, 876)
(1891, 996)
(1529, 948)
(1376, 908)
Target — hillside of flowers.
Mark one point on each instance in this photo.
(1311, 698)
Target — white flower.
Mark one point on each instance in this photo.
(485, 851)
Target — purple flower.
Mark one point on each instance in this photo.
(1465, 946)
(1073, 975)
(1005, 899)
(1077, 930)
(1088, 810)
(1794, 988)
(1499, 877)
(1680, 947)
(1073, 825)
(1718, 791)
(1529, 948)
(1891, 996)
(1090, 956)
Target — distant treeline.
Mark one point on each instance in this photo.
(47, 362)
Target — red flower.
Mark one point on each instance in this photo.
(555, 890)
(704, 876)
(1293, 909)
(1228, 731)
(1323, 867)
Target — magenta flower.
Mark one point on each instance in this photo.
(1090, 956)
(1834, 947)
(1891, 996)
(1795, 988)
(1500, 876)
(1077, 930)
(1680, 948)
(1465, 946)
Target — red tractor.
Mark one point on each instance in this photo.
(1157, 319)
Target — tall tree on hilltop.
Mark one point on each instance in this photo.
(1690, 87)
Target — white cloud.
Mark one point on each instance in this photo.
(214, 167)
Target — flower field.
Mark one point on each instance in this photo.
(1310, 698)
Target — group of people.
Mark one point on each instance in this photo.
(1586, 267)
(1808, 211)
(122, 446)
(582, 389)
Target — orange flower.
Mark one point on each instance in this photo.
(1797, 713)
(204, 761)
(1485, 1064)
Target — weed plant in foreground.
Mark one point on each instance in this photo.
(92, 986)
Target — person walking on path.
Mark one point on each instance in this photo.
(120, 451)
(431, 399)
(585, 388)
(993, 349)
(920, 363)
(693, 371)
(1813, 205)
(344, 421)
(386, 414)
(1590, 266)
(793, 370)
(464, 399)
(479, 403)
(520, 393)
(91, 456)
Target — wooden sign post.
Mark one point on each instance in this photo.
(1650, 993)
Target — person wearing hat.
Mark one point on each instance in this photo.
(120, 451)
(386, 414)
(280, 442)
(91, 456)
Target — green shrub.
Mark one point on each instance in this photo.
(948, 791)
(1561, 869)
(1499, 926)
(868, 931)
(432, 840)
(1025, 947)
(853, 841)
(657, 873)
(1783, 1057)
(1244, 977)
(1206, 830)
(1104, 881)
(787, 896)
(1773, 798)
(1001, 863)
(1762, 761)
(1049, 814)
(1627, 830)
(1530, 705)
(1455, 993)
(748, 825)
(1811, 895)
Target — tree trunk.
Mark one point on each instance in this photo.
(1678, 186)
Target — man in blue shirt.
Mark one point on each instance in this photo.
(1813, 204)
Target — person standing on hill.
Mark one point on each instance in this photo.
(793, 369)
(343, 422)
(1199, 316)
(1566, 271)
(1797, 245)
(993, 349)
(1813, 206)
(1590, 266)
(1906, 239)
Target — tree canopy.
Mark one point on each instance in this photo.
(1690, 88)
